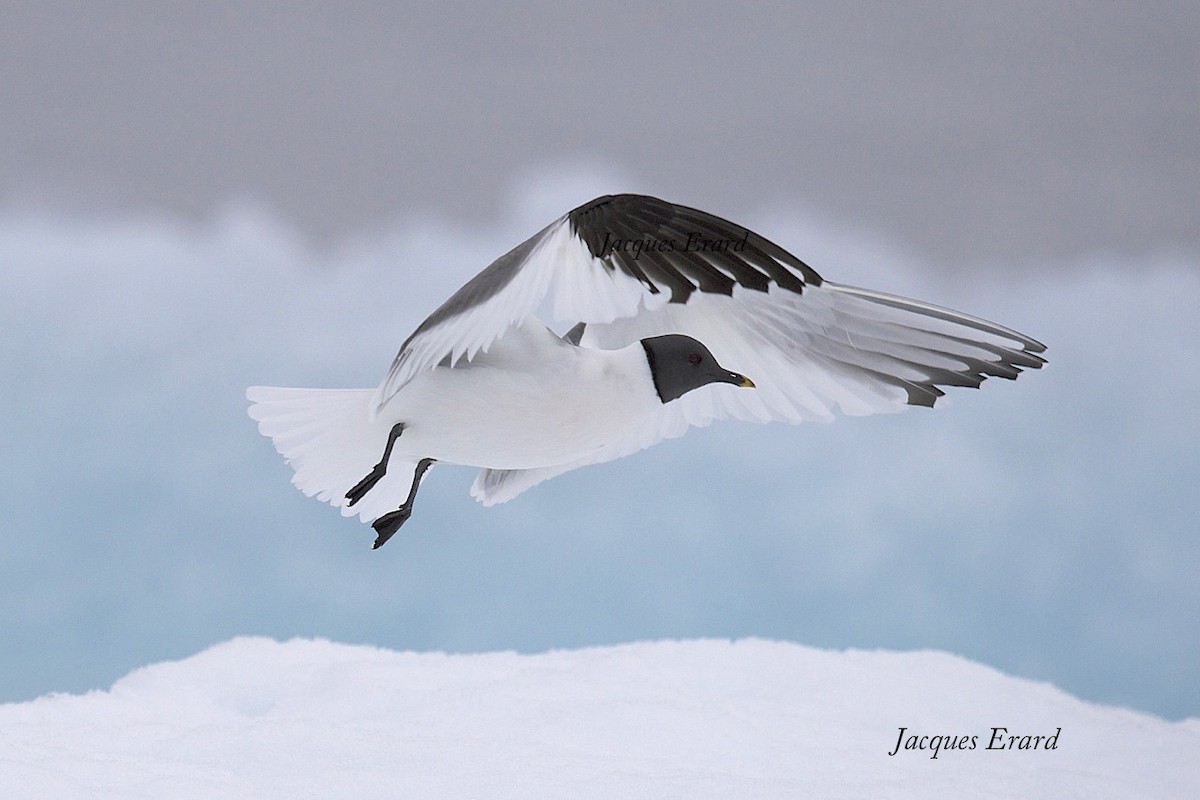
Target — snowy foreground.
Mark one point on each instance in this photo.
(258, 718)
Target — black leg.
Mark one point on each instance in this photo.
(390, 522)
(378, 471)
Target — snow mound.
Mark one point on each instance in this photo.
(253, 717)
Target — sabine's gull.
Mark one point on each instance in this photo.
(681, 318)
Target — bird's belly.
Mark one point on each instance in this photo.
(500, 419)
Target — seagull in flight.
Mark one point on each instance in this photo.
(680, 318)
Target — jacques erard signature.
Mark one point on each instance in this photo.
(1000, 739)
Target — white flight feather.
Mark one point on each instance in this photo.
(581, 289)
(809, 355)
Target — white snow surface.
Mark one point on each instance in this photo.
(253, 717)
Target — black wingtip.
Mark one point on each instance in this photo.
(686, 248)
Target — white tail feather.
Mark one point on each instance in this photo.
(331, 443)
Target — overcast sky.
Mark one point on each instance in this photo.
(960, 130)
(197, 200)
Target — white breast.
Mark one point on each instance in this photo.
(532, 401)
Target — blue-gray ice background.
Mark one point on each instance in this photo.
(1037, 168)
(1046, 527)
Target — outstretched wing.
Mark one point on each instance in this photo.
(610, 259)
(626, 267)
(834, 348)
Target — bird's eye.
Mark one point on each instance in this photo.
(694, 358)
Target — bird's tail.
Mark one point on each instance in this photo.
(329, 440)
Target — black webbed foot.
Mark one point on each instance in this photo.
(378, 471)
(366, 484)
(390, 522)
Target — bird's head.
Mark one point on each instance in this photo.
(680, 364)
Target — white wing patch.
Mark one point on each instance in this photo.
(833, 349)
(581, 288)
